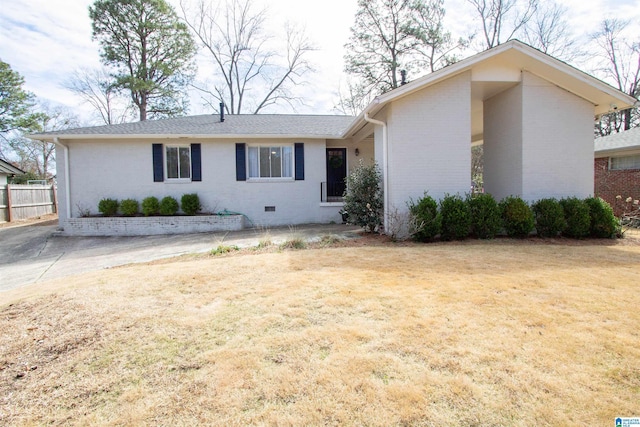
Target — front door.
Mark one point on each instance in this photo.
(336, 172)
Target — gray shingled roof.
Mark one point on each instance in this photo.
(629, 139)
(210, 125)
(8, 169)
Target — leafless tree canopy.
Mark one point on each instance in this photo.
(502, 19)
(620, 65)
(98, 89)
(548, 31)
(38, 157)
(251, 74)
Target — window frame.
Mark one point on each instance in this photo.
(259, 147)
(166, 163)
(635, 166)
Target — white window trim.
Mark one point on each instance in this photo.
(166, 161)
(622, 157)
(271, 179)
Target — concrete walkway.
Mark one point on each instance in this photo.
(35, 253)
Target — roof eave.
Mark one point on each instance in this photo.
(45, 137)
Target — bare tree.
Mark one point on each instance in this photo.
(35, 156)
(98, 89)
(620, 65)
(392, 36)
(548, 31)
(254, 75)
(503, 19)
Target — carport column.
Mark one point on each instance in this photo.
(67, 178)
(385, 163)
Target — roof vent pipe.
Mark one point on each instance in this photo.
(221, 112)
(403, 74)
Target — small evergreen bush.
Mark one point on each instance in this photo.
(150, 206)
(168, 206)
(363, 200)
(129, 207)
(108, 207)
(456, 218)
(549, 217)
(485, 215)
(190, 204)
(517, 217)
(604, 223)
(577, 216)
(425, 217)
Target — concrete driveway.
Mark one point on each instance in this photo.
(35, 253)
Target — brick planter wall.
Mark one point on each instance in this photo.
(153, 225)
(612, 183)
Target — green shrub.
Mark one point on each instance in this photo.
(485, 215)
(425, 217)
(129, 207)
(108, 207)
(363, 200)
(456, 218)
(168, 206)
(549, 217)
(150, 206)
(577, 216)
(190, 204)
(604, 223)
(517, 217)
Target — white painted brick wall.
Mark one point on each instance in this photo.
(557, 142)
(147, 226)
(429, 142)
(502, 120)
(538, 142)
(123, 169)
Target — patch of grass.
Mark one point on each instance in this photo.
(329, 240)
(224, 249)
(505, 332)
(293, 243)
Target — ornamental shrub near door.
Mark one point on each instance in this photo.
(363, 202)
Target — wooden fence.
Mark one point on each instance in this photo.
(26, 201)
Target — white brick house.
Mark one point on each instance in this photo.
(533, 113)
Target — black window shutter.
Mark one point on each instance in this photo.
(196, 163)
(299, 159)
(241, 162)
(158, 163)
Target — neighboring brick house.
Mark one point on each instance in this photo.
(617, 169)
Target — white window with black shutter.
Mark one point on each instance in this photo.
(177, 162)
(273, 162)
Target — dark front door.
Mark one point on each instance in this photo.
(336, 171)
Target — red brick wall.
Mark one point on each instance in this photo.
(612, 183)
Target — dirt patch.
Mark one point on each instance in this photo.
(365, 332)
(44, 220)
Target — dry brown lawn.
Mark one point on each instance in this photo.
(498, 333)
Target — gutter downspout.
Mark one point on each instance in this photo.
(67, 185)
(385, 164)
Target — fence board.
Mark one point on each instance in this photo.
(27, 201)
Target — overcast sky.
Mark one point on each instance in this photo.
(46, 40)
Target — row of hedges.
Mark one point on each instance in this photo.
(151, 206)
(479, 215)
